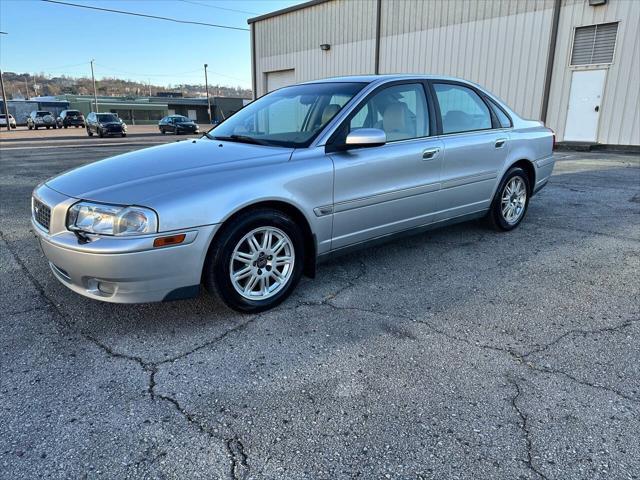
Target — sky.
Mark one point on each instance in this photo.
(57, 39)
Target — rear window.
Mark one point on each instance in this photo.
(73, 112)
(42, 114)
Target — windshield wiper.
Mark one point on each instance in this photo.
(239, 139)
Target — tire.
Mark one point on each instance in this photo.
(124, 134)
(162, 131)
(216, 274)
(30, 127)
(100, 133)
(48, 127)
(89, 132)
(66, 126)
(35, 127)
(517, 180)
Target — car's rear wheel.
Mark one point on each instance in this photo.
(511, 200)
(256, 261)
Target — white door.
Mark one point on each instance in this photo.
(584, 106)
(192, 114)
(280, 79)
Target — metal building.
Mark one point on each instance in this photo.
(575, 64)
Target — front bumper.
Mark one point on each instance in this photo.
(121, 270)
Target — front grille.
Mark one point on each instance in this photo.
(41, 213)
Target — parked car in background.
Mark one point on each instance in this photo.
(3, 120)
(302, 173)
(41, 118)
(70, 118)
(104, 124)
(178, 124)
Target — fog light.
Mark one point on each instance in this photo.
(101, 288)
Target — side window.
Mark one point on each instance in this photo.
(503, 119)
(401, 111)
(461, 108)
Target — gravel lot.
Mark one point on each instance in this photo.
(461, 353)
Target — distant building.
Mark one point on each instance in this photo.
(20, 109)
(145, 110)
(574, 64)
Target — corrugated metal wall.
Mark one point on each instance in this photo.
(500, 44)
(293, 41)
(619, 122)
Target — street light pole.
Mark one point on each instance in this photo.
(95, 94)
(4, 98)
(206, 86)
(4, 101)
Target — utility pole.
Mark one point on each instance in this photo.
(95, 93)
(206, 86)
(4, 101)
(149, 83)
(26, 88)
(4, 98)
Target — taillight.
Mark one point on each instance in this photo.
(553, 134)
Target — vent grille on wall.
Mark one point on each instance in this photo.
(594, 44)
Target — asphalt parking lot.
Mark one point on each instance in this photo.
(460, 353)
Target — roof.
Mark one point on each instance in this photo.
(389, 76)
(293, 8)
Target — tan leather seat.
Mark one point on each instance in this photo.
(329, 112)
(395, 121)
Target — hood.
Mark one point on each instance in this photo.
(146, 176)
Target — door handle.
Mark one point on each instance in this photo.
(500, 142)
(597, 109)
(430, 153)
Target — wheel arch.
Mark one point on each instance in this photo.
(292, 211)
(529, 168)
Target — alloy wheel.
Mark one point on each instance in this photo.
(262, 263)
(513, 200)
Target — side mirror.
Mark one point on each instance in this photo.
(366, 137)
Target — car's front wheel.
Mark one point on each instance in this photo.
(256, 261)
(511, 201)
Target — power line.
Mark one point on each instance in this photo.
(218, 8)
(146, 74)
(175, 74)
(156, 17)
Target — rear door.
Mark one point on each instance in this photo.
(386, 189)
(475, 149)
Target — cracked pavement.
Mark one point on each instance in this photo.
(460, 353)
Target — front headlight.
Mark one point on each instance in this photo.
(111, 219)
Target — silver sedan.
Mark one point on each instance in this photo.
(305, 172)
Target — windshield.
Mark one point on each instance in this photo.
(289, 117)
(107, 118)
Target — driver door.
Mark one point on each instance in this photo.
(386, 189)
